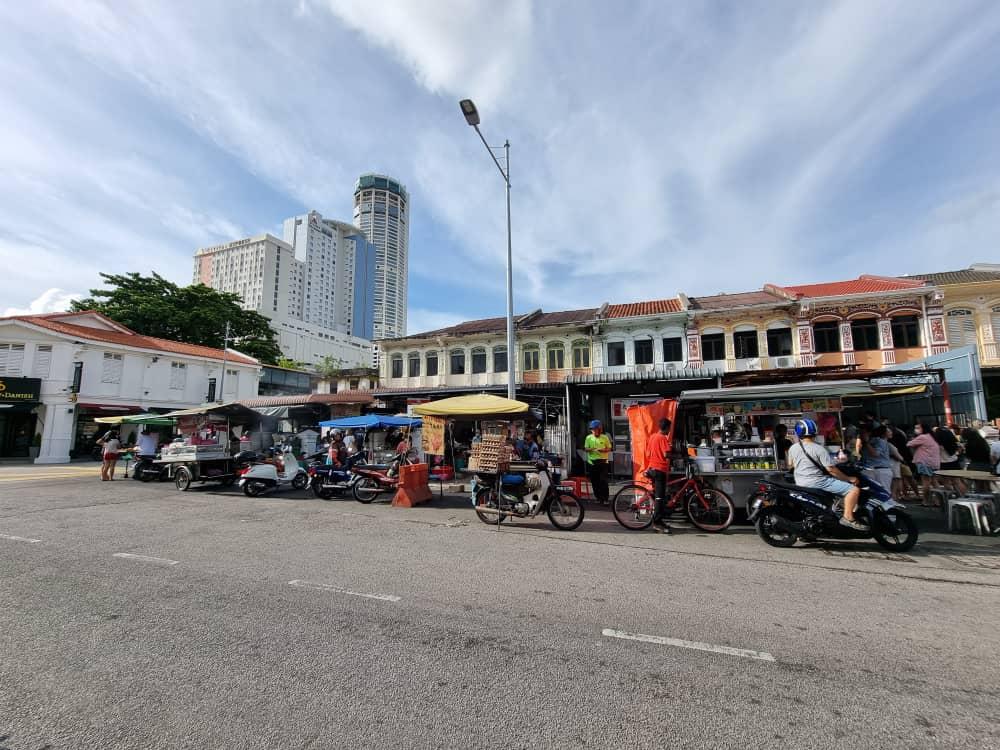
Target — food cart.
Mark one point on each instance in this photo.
(742, 422)
(205, 451)
(141, 421)
(374, 426)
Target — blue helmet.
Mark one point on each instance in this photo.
(805, 428)
(594, 423)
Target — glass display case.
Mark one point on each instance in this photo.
(745, 457)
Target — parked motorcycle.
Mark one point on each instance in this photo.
(327, 481)
(785, 512)
(526, 497)
(263, 477)
(145, 469)
(373, 480)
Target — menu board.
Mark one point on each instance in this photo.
(432, 436)
(777, 406)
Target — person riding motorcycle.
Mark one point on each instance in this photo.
(813, 467)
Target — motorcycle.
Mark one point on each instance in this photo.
(526, 497)
(145, 469)
(327, 481)
(259, 478)
(373, 480)
(784, 512)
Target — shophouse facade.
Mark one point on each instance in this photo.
(75, 367)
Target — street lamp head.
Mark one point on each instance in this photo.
(470, 111)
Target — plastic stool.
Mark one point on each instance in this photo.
(939, 495)
(581, 487)
(975, 507)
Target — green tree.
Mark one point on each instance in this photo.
(329, 367)
(194, 314)
(289, 364)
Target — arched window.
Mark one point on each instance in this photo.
(581, 354)
(529, 357)
(457, 362)
(432, 364)
(555, 356)
(864, 334)
(396, 363)
(499, 359)
(413, 365)
(478, 360)
(961, 328)
(745, 342)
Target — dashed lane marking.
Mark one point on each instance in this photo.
(335, 589)
(695, 645)
(13, 538)
(145, 558)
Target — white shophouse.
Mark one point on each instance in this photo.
(66, 369)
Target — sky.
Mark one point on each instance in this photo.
(656, 147)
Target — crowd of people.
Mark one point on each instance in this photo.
(908, 463)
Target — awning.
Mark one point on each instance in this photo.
(157, 420)
(830, 388)
(371, 422)
(653, 373)
(310, 399)
(111, 408)
(481, 405)
(231, 409)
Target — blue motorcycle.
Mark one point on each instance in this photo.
(327, 481)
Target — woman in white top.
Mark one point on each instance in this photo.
(112, 447)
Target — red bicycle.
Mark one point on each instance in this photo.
(708, 508)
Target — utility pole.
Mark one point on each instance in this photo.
(225, 352)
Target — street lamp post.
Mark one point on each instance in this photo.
(472, 117)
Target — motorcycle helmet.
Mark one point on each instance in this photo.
(594, 424)
(805, 428)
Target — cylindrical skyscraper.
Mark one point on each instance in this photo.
(381, 210)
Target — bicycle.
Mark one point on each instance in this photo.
(706, 507)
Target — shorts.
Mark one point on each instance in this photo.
(832, 484)
(110, 456)
(897, 470)
(951, 465)
(923, 470)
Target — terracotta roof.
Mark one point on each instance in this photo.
(53, 323)
(342, 397)
(651, 307)
(861, 285)
(739, 299)
(486, 325)
(965, 276)
(565, 317)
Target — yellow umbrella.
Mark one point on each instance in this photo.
(479, 405)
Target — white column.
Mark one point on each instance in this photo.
(57, 434)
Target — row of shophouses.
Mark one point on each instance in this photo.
(791, 332)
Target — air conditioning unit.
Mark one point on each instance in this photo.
(753, 363)
(643, 368)
(669, 365)
(783, 362)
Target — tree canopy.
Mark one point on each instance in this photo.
(195, 314)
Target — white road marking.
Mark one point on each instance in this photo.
(145, 558)
(327, 587)
(19, 538)
(744, 652)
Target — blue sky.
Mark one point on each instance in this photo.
(657, 147)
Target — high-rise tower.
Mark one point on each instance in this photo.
(381, 210)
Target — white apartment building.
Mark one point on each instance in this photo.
(381, 209)
(298, 295)
(61, 371)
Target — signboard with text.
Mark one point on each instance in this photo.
(20, 390)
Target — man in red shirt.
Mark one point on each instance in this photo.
(658, 460)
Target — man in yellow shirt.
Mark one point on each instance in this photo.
(598, 448)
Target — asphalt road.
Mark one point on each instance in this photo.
(134, 616)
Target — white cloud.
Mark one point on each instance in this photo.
(51, 300)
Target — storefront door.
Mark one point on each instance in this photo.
(16, 432)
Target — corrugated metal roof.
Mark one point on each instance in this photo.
(656, 373)
(965, 276)
(343, 397)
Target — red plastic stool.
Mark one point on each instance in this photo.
(581, 487)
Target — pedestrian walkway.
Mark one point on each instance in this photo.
(30, 472)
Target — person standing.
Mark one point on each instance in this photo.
(658, 462)
(926, 457)
(878, 458)
(111, 446)
(781, 445)
(598, 448)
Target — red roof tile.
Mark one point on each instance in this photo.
(564, 317)
(87, 333)
(861, 285)
(739, 299)
(651, 307)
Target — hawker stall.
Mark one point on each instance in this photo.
(209, 438)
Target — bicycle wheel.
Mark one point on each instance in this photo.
(714, 513)
(565, 511)
(633, 507)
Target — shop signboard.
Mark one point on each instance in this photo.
(20, 390)
(777, 406)
(432, 436)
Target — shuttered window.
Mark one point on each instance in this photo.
(43, 361)
(961, 328)
(178, 376)
(232, 380)
(11, 359)
(112, 370)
